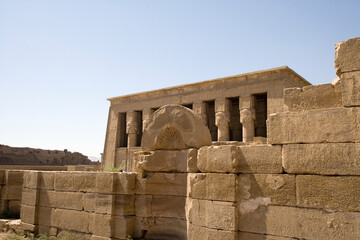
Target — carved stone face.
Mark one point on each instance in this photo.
(246, 116)
(131, 128)
(222, 119)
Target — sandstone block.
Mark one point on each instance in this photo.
(171, 184)
(175, 127)
(212, 214)
(260, 159)
(225, 158)
(266, 189)
(28, 227)
(164, 228)
(70, 220)
(64, 200)
(44, 216)
(212, 186)
(221, 187)
(89, 202)
(14, 178)
(312, 97)
(301, 223)
(326, 158)
(337, 193)
(351, 88)
(160, 206)
(75, 181)
(29, 196)
(196, 185)
(163, 161)
(192, 160)
(221, 215)
(124, 205)
(253, 236)
(94, 237)
(27, 214)
(47, 180)
(316, 126)
(124, 227)
(347, 56)
(11, 192)
(104, 203)
(30, 179)
(198, 232)
(117, 183)
(107, 226)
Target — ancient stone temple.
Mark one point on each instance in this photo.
(261, 157)
(234, 108)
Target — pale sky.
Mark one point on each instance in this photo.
(60, 60)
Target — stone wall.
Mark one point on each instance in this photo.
(11, 182)
(303, 184)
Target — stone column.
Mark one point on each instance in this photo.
(200, 108)
(131, 130)
(222, 118)
(146, 115)
(247, 117)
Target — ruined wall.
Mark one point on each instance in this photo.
(11, 182)
(303, 184)
(32, 156)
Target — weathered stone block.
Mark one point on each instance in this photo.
(347, 56)
(326, 158)
(163, 161)
(266, 189)
(212, 186)
(27, 214)
(221, 187)
(336, 193)
(260, 159)
(89, 202)
(106, 226)
(351, 88)
(75, 181)
(44, 216)
(104, 203)
(301, 223)
(225, 158)
(30, 179)
(196, 185)
(203, 233)
(212, 214)
(312, 97)
(28, 227)
(29, 196)
(164, 228)
(253, 236)
(316, 126)
(171, 184)
(46, 180)
(71, 220)
(64, 200)
(116, 183)
(124, 227)
(192, 160)
(124, 205)
(160, 206)
(174, 127)
(14, 178)
(221, 215)
(11, 192)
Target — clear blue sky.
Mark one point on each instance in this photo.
(60, 60)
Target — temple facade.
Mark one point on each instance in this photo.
(234, 108)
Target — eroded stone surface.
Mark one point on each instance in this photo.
(347, 56)
(175, 127)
